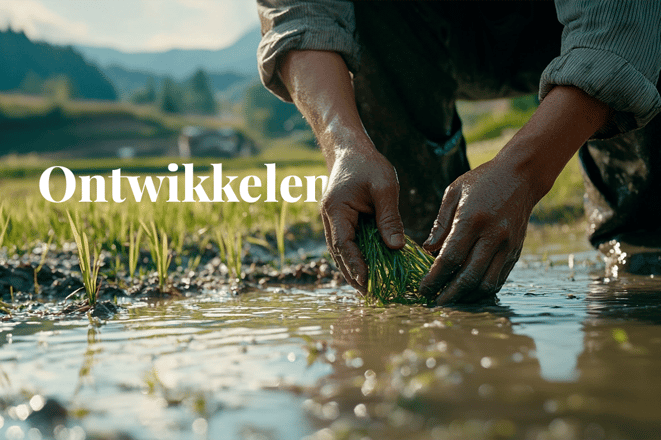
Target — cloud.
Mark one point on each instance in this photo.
(132, 25)
(202, 23)
(39, 22)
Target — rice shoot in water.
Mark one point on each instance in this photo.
(393, 275)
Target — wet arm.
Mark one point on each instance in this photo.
(319, 84)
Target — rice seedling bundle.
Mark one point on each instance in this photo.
(393, 275)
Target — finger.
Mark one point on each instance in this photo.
(350, 277)
(343, 234)
(468, 279)
(443, 223)
(327, 233)
(492, 280)
(448, 262)
(388, 220)
(505, 272)
(337, 257)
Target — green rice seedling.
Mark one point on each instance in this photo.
(238, 250)
(260, 242)
(44, 253)
(393, 275)
(179, 233)
(280, 233)
(88, 268)
(4, 224)
(203, 240)
(6, 308)
(230, 246)
(159, 253)
(135, 238)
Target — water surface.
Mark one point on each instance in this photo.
(565, 354)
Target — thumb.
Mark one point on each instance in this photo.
(389, 222)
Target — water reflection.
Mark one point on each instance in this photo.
(576, 358)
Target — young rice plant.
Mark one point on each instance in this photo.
(393, 275)
(159, 253)
(88, 268)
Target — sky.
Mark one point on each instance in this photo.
(132, 25)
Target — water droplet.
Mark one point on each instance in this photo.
(200, 426)
(37, 402)
(360, 410)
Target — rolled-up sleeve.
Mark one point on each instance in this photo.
(303, 25)
(611, 49)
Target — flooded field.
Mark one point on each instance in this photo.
(565, 354)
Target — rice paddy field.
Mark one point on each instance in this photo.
(160, 320)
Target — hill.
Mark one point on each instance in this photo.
(240, 58)
(21, 58)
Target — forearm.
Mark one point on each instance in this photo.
(320, 86)
(564, 121)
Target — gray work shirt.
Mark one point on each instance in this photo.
(611, 49)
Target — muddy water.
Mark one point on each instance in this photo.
(565, 354)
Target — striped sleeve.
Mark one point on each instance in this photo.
(303, 25)
(611, 49)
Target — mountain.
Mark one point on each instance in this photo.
(240, 58)
(23, 60)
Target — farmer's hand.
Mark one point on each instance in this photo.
(484, 214)
(361, 181)
(479, 231)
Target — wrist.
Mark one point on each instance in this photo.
(564, 121)
(340, 142)
(537, 167)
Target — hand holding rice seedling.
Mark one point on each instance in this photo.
(393, 275)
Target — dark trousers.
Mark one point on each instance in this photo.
(418, 58)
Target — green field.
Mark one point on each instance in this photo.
(185, 231)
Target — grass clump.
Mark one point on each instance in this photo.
(393, 275)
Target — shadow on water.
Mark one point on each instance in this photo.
(564, 354)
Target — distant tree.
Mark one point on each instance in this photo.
(146, 95)
(171, 99)
(59, 89)
(32, 84)
(199, 96)
(268, 114)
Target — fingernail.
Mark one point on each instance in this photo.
(428, 241)
(397, 239)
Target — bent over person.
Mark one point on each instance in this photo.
(378, 81)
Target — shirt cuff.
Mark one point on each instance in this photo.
(610, 79)
(298, 35)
